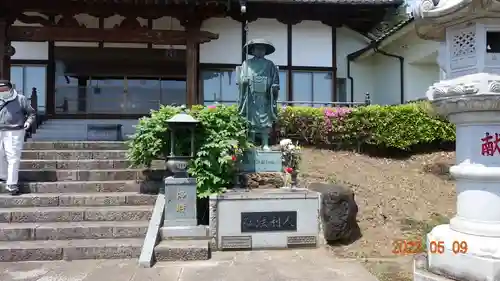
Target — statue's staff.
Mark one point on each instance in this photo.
(243, 10)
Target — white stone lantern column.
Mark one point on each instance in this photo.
(469, 247)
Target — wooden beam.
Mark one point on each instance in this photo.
(75, 34)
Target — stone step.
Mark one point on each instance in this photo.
(182, 250)
(89, 187)
(74, 164)
(125, 248)
(72, 230)
(75, 214)
(90, 175)
(73, 154)
(75, 145)
(75, 199)
(86, 164)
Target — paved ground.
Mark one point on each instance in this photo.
(286, 265)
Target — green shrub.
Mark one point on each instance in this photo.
(221, 130)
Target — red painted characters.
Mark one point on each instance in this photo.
(490, 144)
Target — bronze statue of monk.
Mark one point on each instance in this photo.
(259, 86)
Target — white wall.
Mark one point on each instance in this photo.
(273, 31)
(311, 44)
(420, 69)
(348, 41)
(226, 49)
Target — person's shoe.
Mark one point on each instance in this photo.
(13, 189)
(3, 180)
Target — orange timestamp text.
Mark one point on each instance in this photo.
(408, 247)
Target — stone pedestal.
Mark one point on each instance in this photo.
(182, 237)
(264, 219)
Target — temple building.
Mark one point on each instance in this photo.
(118, 59)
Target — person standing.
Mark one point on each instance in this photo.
(16, 116)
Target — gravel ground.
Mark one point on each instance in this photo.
(389, 193)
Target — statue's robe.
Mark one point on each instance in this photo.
(257, 102)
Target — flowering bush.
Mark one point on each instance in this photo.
(219, 141)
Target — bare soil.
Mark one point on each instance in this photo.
(397, 199)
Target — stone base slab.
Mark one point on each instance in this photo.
(183, 250)
(184, 232)
(481, 260)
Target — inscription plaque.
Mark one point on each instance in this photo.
(268, 221)
(255, 161)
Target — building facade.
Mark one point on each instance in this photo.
(108, 59)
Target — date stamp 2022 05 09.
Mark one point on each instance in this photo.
(410, 247)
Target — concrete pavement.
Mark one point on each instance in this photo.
(285, 265)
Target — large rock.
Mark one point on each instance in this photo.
(338, 212)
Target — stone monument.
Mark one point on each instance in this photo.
(469, 31)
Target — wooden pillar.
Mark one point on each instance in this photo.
(192, 60)
(4, 45)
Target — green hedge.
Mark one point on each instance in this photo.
(222, 134)
(400, 127)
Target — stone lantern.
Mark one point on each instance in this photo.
(469, 31)
(180, 190)
(177, 164)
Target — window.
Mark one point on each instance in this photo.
(492, 42)
(26, 77)
(220, 86)
(312, 88)
(315, 88)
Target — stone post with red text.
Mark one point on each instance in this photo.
(469, 34)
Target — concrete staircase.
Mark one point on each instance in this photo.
(79, 201)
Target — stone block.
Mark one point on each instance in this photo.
(264, 219)
(18, 251)
(29, 200)
(119, 213)
(56, 214)
(256, 160)
(73, 155)
(182, 250)
(16, 232)
(338, 212)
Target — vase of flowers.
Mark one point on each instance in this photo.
(290, 157)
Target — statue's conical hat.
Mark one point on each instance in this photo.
(254, 42)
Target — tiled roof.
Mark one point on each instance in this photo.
(394, 29)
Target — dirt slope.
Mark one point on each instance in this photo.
(390, 193)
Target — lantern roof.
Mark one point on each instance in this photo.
(182, 118)
(432, 17)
